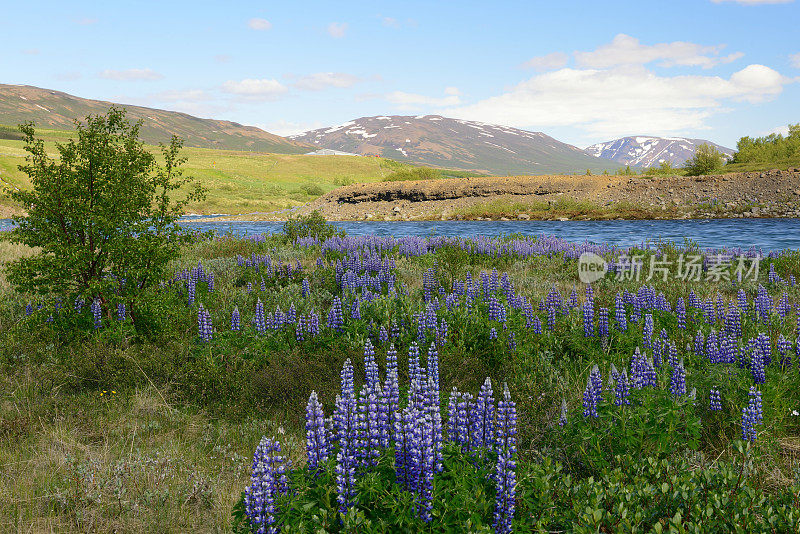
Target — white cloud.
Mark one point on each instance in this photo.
(259, 24)
(285, 128)
(337, 29)
(627, 50)
(622, 100)
(754, 2)
(263, 89)
(391, 22)
(131, 75)
(322, 80)
(795, 60)
(783, 130)
(412, 100)
(548, 62)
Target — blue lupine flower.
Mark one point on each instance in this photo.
(306, 288)
(335, 317)
(493, 333)
(348, 385)
(373, 378)
(757, 365)
(97, 312)
(715, 400)
(677, 384)
(316, 436)
(680, 310)
(602, 325)
(562, 419)
(590, 399)
(121, 312)
(505, 469)
(752, 415)
(647, 331)
(483, 423)
(300, 329)
(267, 480)
(551, 318)
(597, 382)
(383, 335)
(537, 326)
(588, 318)
(235, 320)
(622, 390)
(346, 429)
(191, 291)
(259, 320)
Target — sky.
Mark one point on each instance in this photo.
(583, 72)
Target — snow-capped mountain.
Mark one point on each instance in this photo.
(647, 151)
(455, 144)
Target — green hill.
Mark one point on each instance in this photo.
(238, 181)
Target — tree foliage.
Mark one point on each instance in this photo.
(104, 214)
(311, 225)
(706, 159)
(770, 148)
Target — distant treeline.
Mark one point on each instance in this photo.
(771, 148)
(426, 173)
(8, 132)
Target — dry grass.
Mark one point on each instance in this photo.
(119, 462)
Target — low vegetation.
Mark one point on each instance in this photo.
(561, 208)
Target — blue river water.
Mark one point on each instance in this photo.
(767, 234)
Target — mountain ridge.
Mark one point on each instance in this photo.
(649, 151)
(49, 108)
(439, 141)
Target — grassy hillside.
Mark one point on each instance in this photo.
(57, 110)
(238, 181)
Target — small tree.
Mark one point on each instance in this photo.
(311, 225)
(104, 214)
(706, 159)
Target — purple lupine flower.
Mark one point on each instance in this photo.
(757, 365)
(335, 317)
(391, 396)
(28, 309)
(355, 309)
(267, 480)
(346, 429)
(434, 415)
(597, 382)
(191, 291)
(677, 383)
(404, 428)
(493, 333)
(752, 415)
(121, 312)
(306, 288)
(551, 318)
(602, 325)
(590, 399)
(383, 335)
(97, 313)
(562, 419)
(505, 470)
(680, 310)
(588, 318)
(373, 378)
(483, 423)
(647, 331)
(537, 326)
(316, 436)
(348, 384)
(249, 287)
(715, 400)
(263, 284)
(784, 347)
(622, 390)
(512, 342)
(452, 415)
(235, 320)
(259, 320)
(299, 329)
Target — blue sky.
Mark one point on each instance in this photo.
(582, 72)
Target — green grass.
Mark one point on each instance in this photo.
(124, 431)
(238, 181)
(563, 207)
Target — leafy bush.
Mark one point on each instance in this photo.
(103, 214)
(771, 148)
(414, 173)
(706, 159)
(311, 225)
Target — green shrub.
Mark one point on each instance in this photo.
(311, 225)
(706, 159)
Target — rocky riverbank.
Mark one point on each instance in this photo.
(774, 193)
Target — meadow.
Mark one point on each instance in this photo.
(237, 181)
(632, 405)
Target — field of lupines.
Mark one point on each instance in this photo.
(543, 404)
